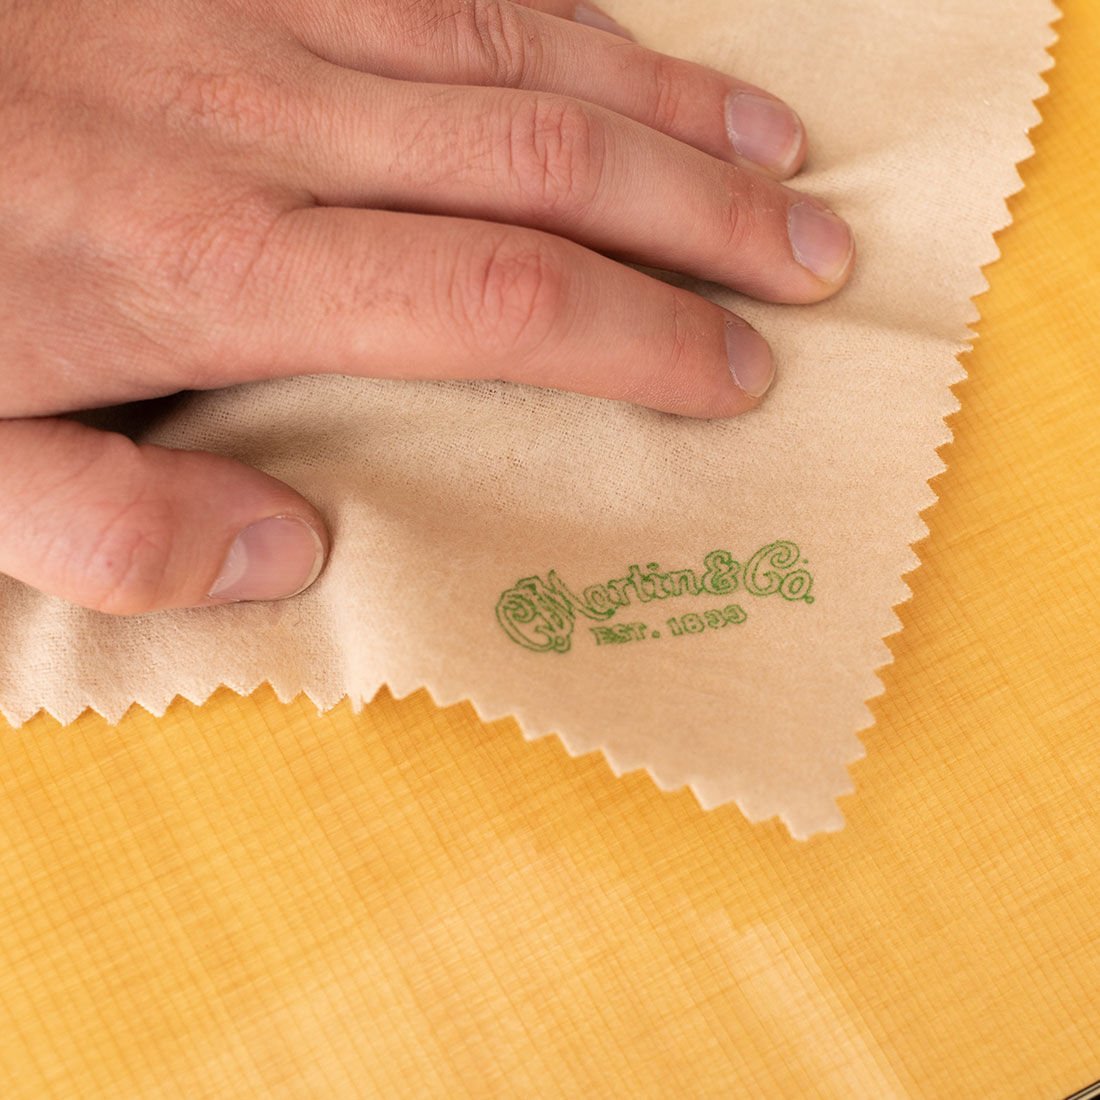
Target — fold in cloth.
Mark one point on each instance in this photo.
(706, 600)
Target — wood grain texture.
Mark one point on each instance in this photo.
(248, 899)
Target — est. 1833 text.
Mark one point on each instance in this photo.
(677, 627)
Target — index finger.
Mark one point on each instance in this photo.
(384, 294)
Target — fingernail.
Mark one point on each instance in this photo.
(764, 131)
(821, 242)
(593, 17)
(272, 559)
(750, 358)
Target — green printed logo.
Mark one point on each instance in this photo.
(539, 613)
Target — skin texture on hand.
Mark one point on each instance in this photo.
(199, 194)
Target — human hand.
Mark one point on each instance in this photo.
(202, 194)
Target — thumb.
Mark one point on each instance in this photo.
(127, 528)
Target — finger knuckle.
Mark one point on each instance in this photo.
(556, 151)
(209, 248)
(244, 106)
(739, 220)
(507, 291)
(199, 266)
(124, 573)
(121, 562)
(667, 86)
(499, 44)
(675, 350)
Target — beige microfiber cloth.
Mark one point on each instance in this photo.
(705, 600)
